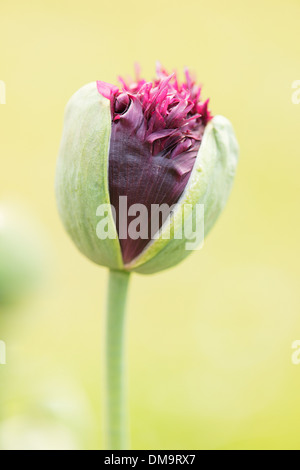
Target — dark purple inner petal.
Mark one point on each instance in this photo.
(156, 134)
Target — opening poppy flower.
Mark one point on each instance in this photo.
(157, 129)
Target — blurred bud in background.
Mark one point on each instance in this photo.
(40, 408)
(22, 255)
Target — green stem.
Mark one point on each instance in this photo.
(116, 428)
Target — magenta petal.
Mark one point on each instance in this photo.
(106, 89)
(160, 134)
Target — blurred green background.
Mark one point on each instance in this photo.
(209, 342)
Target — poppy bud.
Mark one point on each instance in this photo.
(126, 151)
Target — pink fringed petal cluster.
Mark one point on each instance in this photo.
(174, 117)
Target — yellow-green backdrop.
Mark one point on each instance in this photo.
(209, 342)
